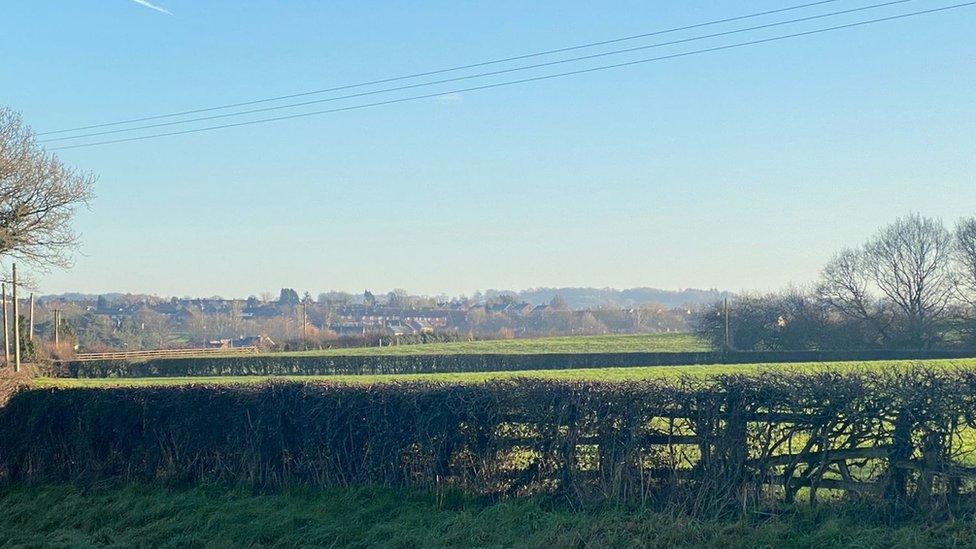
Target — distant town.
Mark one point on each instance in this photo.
(114, 322)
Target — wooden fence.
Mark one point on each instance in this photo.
(749, 457)
(160, 353)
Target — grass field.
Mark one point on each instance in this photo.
(589, 374)
(651, 343)
(65, 516)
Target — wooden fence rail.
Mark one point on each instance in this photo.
(160, 353)
(820, 465)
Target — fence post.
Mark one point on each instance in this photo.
(723, 443)
(931, 463)
(6, 326)
(736, 445)
(16, 321)
(901, 452)
(568, 449)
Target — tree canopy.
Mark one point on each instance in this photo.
(38, 198)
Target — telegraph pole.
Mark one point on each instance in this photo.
(16, 322)
(305, 324)
(6, 326)
(728, 340)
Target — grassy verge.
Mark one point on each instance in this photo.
(379, 517)
(590, 374)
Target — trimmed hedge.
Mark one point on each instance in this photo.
(243, 365)
(708, 445)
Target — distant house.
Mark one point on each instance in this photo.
(261, 311)
(219, 344)
(419, 326)
(433, 318)
(168, 308)
(349, 329)
(399, 329)
(253, 341)
(243, 341)
(521, 309)
(541, 309)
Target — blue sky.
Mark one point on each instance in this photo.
(743, 169)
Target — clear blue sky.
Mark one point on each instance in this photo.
(743, 169)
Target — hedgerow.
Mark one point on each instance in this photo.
(714, 445)
(277, 364)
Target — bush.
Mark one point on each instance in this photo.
(708, 446)
(12, 382)
(272, 364)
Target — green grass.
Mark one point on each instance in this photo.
(590, 374)
(214, 516)
(660, 343)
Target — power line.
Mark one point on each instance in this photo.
(483, 74)
(533, 79)
(442, 71)
(526, 80)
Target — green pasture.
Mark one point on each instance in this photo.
(642, 343)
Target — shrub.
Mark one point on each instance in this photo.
(709, 446)
(277, 364)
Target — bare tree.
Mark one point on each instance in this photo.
(911, 263)
(965, 255)
(845, 287)
(38, 197)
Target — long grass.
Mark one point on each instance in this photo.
(217, 516)
(588, 374)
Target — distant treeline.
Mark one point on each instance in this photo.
(596, 298)
(911, 286)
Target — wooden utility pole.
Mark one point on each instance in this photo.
(16, 321)
(728, 339)
(305, 324)
(6, 326)
(30, 333)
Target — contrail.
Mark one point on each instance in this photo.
(152, 6)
